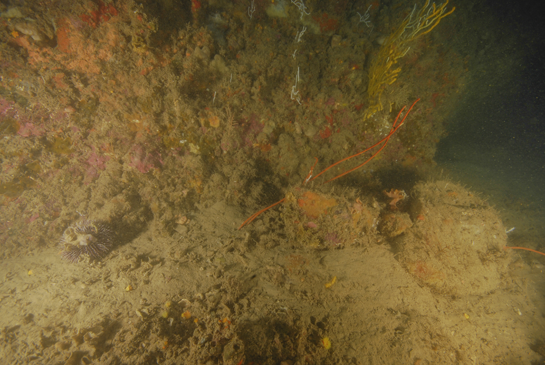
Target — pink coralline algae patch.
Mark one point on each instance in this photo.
(229, 143)
(34, 121)
(32, 218)
(96, 164)
(345, 118)
(97, 161)
(253, 128)
(30, 130)
(144, 161)
(333, 239)
(7, 108)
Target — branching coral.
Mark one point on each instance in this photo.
(382, 73)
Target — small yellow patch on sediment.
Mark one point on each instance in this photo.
(330, 284)
(326, 342)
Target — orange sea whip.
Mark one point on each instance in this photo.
(523, 248)
(254, 216)
(394, 129)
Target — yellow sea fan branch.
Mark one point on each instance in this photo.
(396, 47)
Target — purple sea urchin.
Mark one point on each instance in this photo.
(86, 237)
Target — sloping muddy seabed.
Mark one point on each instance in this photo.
(170, 124)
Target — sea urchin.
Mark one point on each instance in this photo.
(86, 237)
